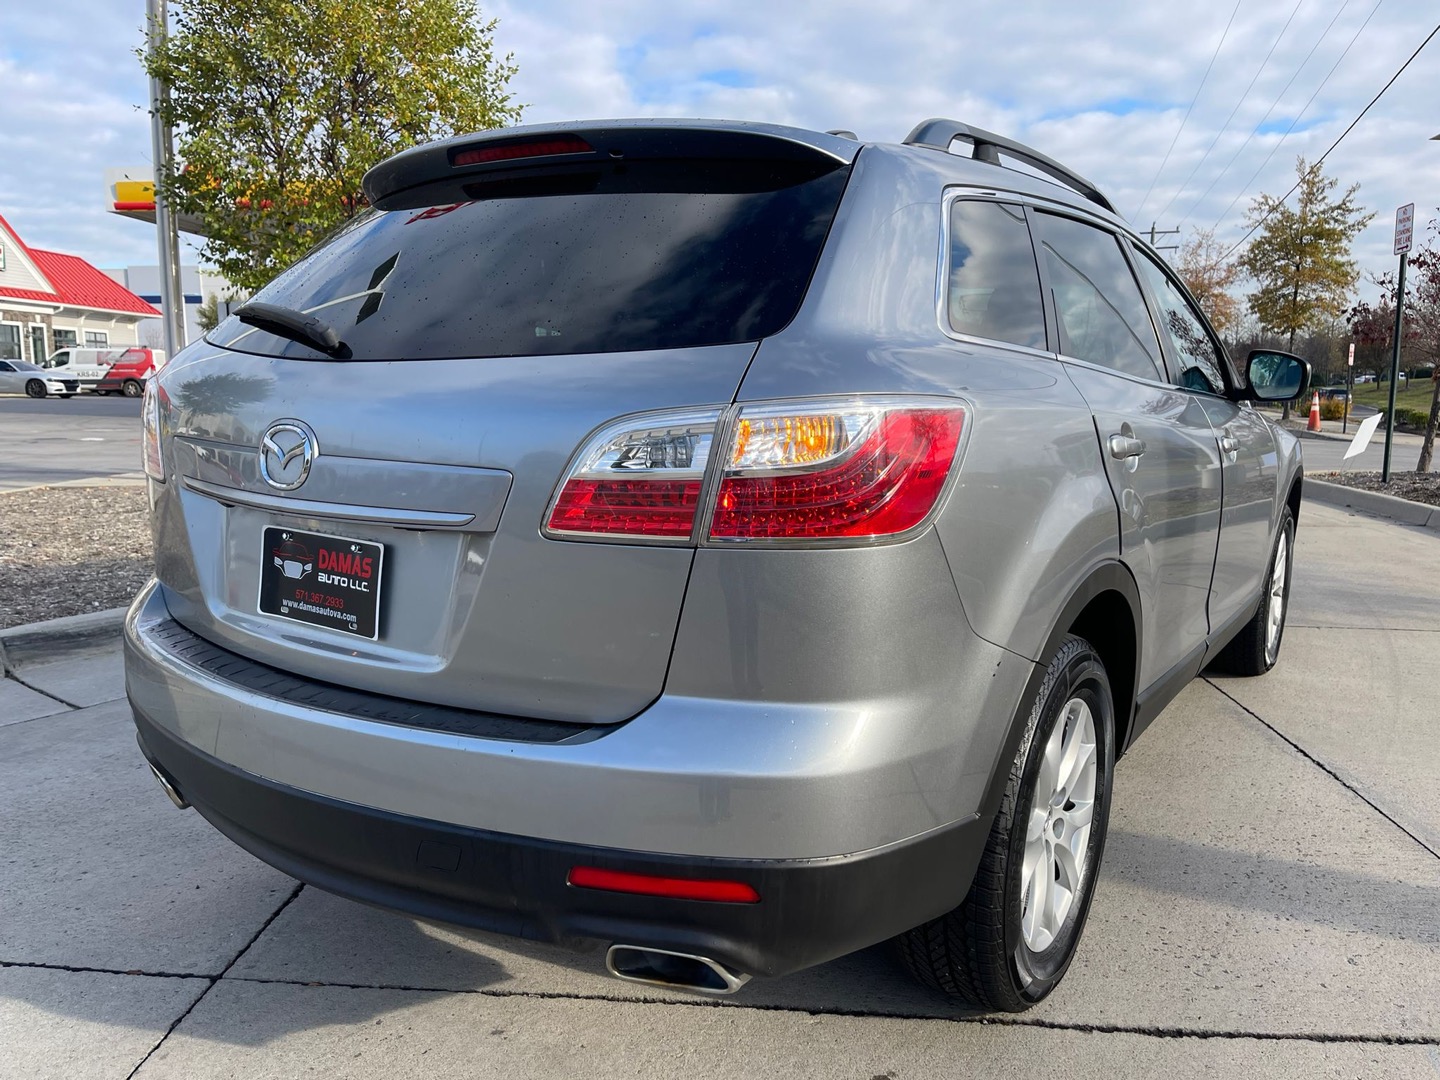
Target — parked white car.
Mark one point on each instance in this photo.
(23, 377)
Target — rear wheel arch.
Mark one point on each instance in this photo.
(1110, 624)
(1104, 610)
(1293, 498)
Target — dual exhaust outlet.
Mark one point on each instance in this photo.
(633, 963)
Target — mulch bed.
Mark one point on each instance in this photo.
(1417, 487)
(71, 550)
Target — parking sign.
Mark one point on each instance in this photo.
(1404, 228)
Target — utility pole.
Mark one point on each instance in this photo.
(167, 236)
(1154, 232)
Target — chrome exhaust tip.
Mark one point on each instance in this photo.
(170, 789)
(675, 970)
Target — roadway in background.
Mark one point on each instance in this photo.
(55, 440)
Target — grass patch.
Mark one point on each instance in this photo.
(1415, 396)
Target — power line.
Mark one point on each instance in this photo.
(1215, 56)
(1226, 126)
(1321, 160)
(1278, 98)
(1298, 115)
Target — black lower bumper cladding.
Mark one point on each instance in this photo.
(809, 911)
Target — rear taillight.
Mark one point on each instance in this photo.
(639, 479)
(150, 439)
(822, 471)
(858, 473)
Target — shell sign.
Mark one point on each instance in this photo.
(134, 195)
(131, 193)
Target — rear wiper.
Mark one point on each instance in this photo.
(296, 325)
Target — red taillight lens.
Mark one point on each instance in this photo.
(526, 148)
(731, 892)
(885, 483)
(626, 507)
(639, 478)
(855, 471)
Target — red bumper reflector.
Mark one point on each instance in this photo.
(731, 892)
(526, 148)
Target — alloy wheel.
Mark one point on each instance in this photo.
(1057, 835)
(1275, 612)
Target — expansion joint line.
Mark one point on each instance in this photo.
(212, 980)
(1146, 1031)
(42, 693)
(1322, 766)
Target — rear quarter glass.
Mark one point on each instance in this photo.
(600, 258)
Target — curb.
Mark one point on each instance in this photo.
(1397, 509)
(73, 632)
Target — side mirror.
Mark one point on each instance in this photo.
(1276, 376)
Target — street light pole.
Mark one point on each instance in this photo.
(167, 236)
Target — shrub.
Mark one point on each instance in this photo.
(1333, 409)
(1412, 419)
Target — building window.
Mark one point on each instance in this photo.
(9, 341)
(64, 339)
(96, 339)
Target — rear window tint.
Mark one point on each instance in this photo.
(994, 287)
(621, 257)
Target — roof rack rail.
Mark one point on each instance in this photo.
(938, 134)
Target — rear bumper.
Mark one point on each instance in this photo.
(707, 776)
(810, 910)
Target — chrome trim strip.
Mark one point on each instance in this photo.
(380, 515)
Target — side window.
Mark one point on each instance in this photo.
(1103, 318)
(994, 287)
(5, 367)
(1201, 366)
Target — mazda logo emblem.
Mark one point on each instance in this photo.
(287, 450)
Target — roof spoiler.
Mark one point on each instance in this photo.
(484, 152)
(938, 134)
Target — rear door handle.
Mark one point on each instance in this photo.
(1123, 447)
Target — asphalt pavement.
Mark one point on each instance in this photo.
(1326, 453)
(63, 440)
(1267, 905)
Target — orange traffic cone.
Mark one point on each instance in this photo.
(1314, 422)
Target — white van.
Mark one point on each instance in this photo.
(91, 366)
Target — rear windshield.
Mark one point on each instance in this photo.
(652, 255)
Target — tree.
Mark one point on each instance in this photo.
(1373, 328)
(282, 105)
(1202, 266)
(1301, 259)
(207, 315)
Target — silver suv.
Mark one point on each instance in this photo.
(734, 544)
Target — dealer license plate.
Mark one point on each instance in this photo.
(322, 580)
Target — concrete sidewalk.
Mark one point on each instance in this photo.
(1268, 905)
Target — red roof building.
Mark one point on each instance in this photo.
(49, 301)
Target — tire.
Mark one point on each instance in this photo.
(1256, 648)
(35, 388)
(993, 951)
(132, 388)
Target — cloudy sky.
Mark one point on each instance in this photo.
(1181, 113)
